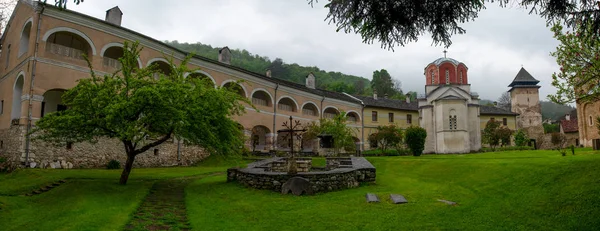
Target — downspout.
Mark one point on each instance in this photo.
(179, 151)
(322, 111)
(273, 138)
(30, 106)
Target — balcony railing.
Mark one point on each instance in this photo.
(110, 62)
(329, 115)
(257, 101)
(64, 51)
(285, 107)
(309, 112)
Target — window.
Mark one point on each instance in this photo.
(591, 121)
(409, 119)
(452, 122)
(447, 76)
(7, 56)
(504, 121)
(156, 151)
(461, 79)
(1, 107)
(69, 145)
(391, 117)
(432, 78)
(374, 116)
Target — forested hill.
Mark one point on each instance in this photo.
(333, 81)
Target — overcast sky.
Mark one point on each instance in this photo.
(496, 44)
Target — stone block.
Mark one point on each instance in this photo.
(372, 198)
(398, 199)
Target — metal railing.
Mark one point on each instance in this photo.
(257, 101)
(110, 62)
(285, 107)
(309, 112)
(65, 51)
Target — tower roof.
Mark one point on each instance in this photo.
(523, 78)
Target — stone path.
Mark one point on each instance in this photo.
(46, 188)
(164, 207)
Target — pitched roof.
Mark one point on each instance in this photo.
(325, 93)
(573, 114)
(523, 78)
(489, 110)
(389, 103)
(569, 125)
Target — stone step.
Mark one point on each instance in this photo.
(398, 199)
(372, 198)
(447, 202)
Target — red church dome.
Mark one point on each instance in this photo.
(446, 71)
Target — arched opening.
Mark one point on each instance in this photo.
(310, 109)
(111, 56)
(236, 88)
(287, 104)
(53, 102)
(16, 102)
(68, 44)
(203, 78)
(259, 138)
(24, 43)
(330, 113)
(261, 98)
(353, 117)
(161, 67)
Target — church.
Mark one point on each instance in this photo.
(449, 111)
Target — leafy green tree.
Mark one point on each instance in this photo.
(382, 83)
(504, 134)
(521, 138)
(143, 112)
(343, 136)
(415, 139)
(386, 136)
(550, 128)
(398, 22)
(579, 61)
(490, 134)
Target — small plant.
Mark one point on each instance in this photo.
(521, 138)
(113, 164)
(572, 147)
(415, 139)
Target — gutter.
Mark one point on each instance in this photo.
(362, 120)
(30, 106)
(273, 137)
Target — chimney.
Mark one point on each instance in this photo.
(268, 74)
(495, 104)
(310, 81)
(225, 55)
(385, 96)
(568, 117)
(374, 94)
(407, 98)
(114, 15)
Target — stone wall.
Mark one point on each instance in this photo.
(12, 143)
(97, 155)
(342, 178)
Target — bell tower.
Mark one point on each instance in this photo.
(525, 100)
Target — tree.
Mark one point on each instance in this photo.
(521, 138)
(551, 128)
(504, 101)
(386, 136)
(143, 112)
(504, 134)
(415, 139)
(343, 136)
(398, 22)
(382, 83)
(490, 134)
(579, 61)
(277, 69)
(559, 140)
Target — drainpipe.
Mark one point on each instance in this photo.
(30, 106)
(362, 121)
(273, 138)
(322, 111)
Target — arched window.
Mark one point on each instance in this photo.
(352, 117)
(286, 104)
(591, 121)
(330, 113)
(452, 120)
(111, 57)
(65, 43)
(310, 110)
(161, 67)
(447, 76)
(16, 102)
(24, 43)
(53, 101)
(261, 98)
(432, 78)
(461, 79)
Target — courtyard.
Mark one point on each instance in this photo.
(526, 190)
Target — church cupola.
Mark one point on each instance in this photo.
(446, 71)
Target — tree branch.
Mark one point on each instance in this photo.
(153, 144)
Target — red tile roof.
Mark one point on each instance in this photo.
(569, 125)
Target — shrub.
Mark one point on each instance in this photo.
(521, 138)
(559, 141)
(415, 139)
(572, 147)
(386, 136)
(3, 167)
(113, 164)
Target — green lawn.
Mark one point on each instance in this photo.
(519, 190)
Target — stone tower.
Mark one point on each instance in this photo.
(525, 100)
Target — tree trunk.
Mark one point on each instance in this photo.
(127, 169)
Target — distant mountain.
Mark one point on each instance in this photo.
(554, 111)
(333, 81)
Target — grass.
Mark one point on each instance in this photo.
(514, 190)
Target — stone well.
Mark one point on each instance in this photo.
(270, 174)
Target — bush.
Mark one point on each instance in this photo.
(3, 167)
(521, 138)
(415, 139)
(113, 164)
